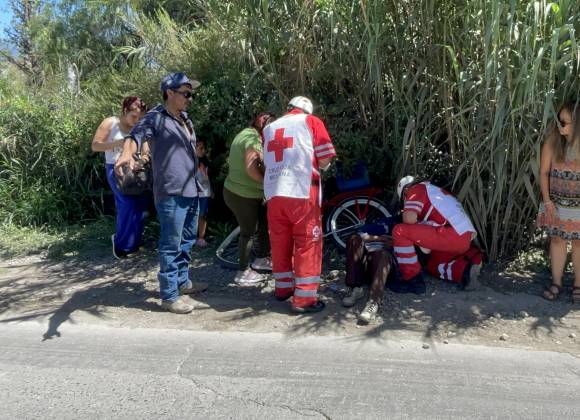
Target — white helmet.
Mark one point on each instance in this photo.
(302, 103)
(406, 180)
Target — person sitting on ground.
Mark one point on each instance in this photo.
(369, 259)
(130, 209)
(244, 195)
(205, 192)
(434, 220)
(560, 184)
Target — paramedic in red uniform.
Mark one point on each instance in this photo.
(297, 147)
(434, 220)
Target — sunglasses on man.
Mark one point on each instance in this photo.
(187, 94)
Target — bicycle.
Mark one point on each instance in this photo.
(343, 214)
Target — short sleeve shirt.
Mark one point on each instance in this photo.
(323, 147)
(417, 201)
(238, 181)
(173, 157)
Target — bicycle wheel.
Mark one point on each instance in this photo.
(227, 253)
(351, 214)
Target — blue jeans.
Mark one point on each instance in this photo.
(130, 217)
(178, 230)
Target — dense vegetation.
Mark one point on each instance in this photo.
(460, 91)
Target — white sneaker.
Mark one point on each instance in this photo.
(369, 312)
(248, 277)
(263, 264)
(352, 295)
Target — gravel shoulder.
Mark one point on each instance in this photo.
(506, 311)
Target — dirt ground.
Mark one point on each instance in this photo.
(506, 311)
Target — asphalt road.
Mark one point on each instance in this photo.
(91, 372)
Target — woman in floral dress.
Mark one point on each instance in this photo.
(560, 184)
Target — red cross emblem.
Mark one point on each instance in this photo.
(279, 144)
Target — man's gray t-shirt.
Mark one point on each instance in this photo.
(173, 158)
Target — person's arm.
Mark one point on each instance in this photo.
(409, 217)
(145, 151)
(323, 147)
(142, 133)
(545, 166)
(126, 156)
(253, 168)
(100, 143)
(324, 164)
(414, 200)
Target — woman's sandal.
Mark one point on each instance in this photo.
(576, 294)
(552, 292)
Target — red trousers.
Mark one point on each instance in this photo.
(444, 242)
(296, 241)
(451, 266)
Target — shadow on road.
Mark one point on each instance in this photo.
(93, 282)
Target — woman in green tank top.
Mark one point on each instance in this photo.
(244, 195)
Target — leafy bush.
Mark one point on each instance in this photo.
(456, 91)
(48, 174)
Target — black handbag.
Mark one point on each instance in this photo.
(138, 180)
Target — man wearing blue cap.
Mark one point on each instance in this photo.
(172, 141)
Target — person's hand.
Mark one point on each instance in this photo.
(125, 160)
(551, 211)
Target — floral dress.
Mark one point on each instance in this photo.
(565, 194)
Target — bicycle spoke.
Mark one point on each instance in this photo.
(354, 218)
(348, 228)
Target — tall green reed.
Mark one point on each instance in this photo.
(458, 91)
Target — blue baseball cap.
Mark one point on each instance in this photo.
(175, 80)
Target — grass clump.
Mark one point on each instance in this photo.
(81, 239)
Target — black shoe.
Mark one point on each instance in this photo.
(470, 278)
(416, 285)
(317, 307)
(465, 280)
(282, 299)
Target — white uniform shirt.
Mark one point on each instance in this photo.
(293, 144)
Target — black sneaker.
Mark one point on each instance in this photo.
(416, 285)
(470, 279)
(317, 307)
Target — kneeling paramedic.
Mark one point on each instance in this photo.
(434, 220)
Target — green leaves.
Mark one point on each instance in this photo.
(458, 91)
